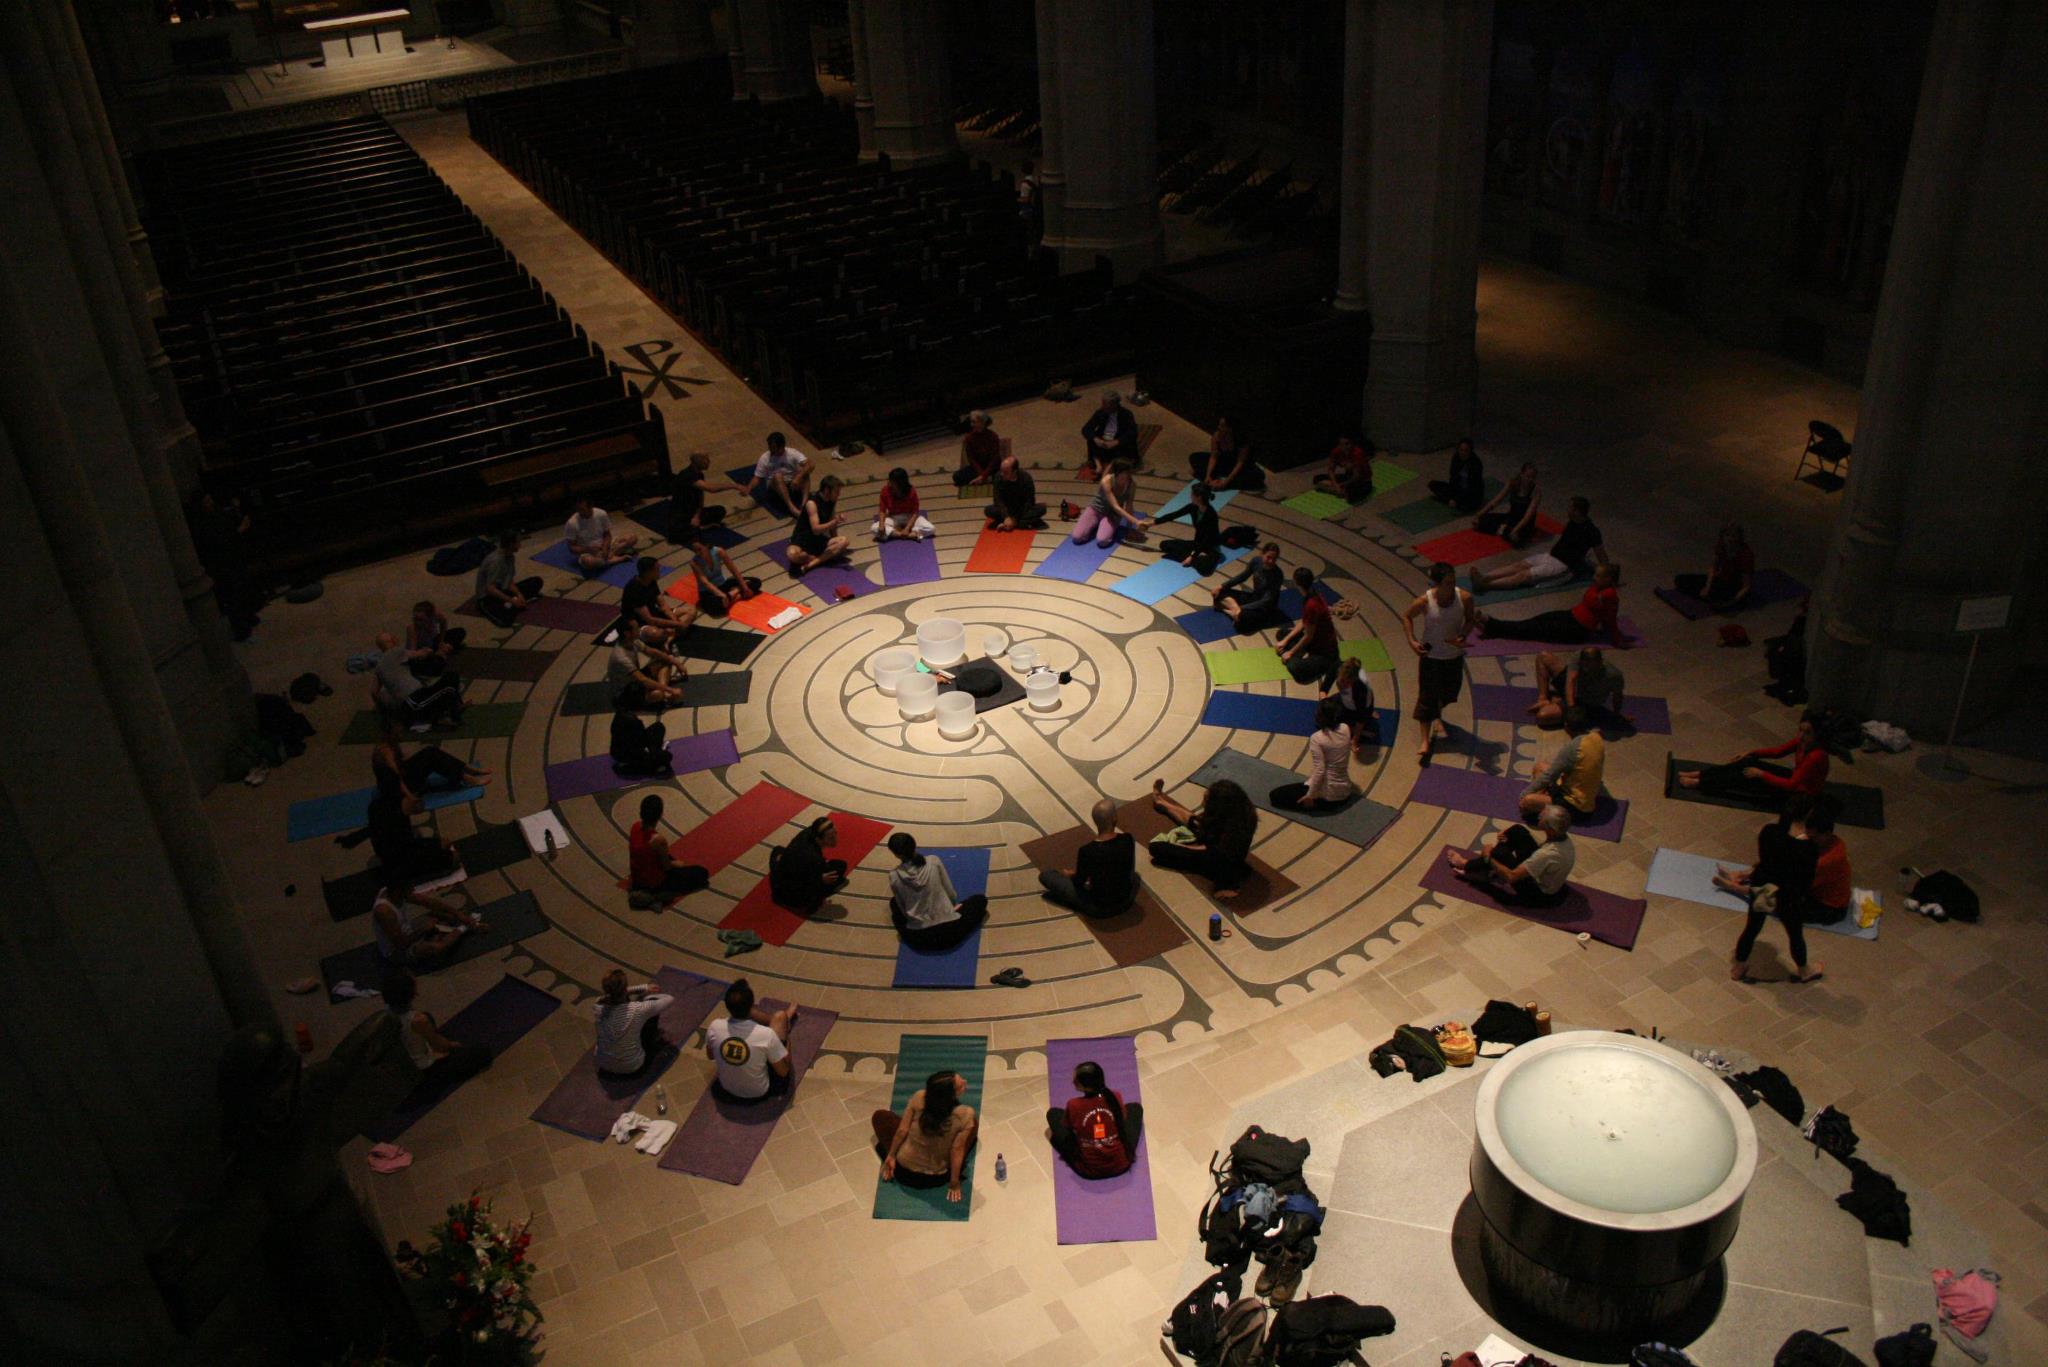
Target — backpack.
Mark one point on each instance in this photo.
(1911, 1348)
(1195, 1325)
(1658, 1355)
(1957, 899)
(1965, 1305)
(1244, 1335)
(1268, 1158)
(1323, 1331)
(1260, 1203)
(1239, 537)
(1809, 1349)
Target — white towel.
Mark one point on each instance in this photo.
(627, 1125)
(659, 1132)
(787, 617)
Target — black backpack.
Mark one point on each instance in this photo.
(1808, 1349)
(1911, 1348)
(1957, 899)
(1195, 1327)
(1323, 1331)
(1230, 1227)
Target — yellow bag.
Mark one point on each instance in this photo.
(1457, 1043)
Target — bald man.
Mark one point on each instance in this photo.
(1104, 879)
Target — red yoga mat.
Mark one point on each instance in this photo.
(1464, 546)
(1000, 552)
(758, 910)
(745, 822)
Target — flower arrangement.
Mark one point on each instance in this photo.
(477, 1272)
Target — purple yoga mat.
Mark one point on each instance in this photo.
(1468, 790)
(587, 1102)
(582, 777)
(721, 1140)
(1100, 1210)
(1480, 649)
(569, 614)
(1502, 702)
(497, 1020)
(827, 580)
(1074, 563)
(1607, 918)
(909, 562)
(1765, 588)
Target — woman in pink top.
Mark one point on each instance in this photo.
(1329, 764)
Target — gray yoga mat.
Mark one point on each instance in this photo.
(1359, 821)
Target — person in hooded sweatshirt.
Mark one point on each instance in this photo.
(928, 913)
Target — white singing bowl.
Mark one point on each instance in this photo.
(916, 696)
(889, 666)
(956, 715)
(942, 642)
(994, 641)
(1042, 691)
(1023, 657)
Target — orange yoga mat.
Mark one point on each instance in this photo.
(755, 611)
(1000, 552)
(758, 912)
(683, 587)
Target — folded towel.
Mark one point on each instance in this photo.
(628, 1125)
(656, 1139)
(739, 941)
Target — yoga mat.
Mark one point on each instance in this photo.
(537, 826)
(1290, 599)
(1498, 796)
(1131, 937)
(760, 609)
(1262, 887)
(1492, 597)
(1503, 702)
(1185, 494)
(759, 912)
(497, 1020)
(1000, 552)
(480, 721)
(1461, 547)
(737, 827)
(569, 614)
(1164, 578)
(1607, 918)
(583, 777)
(721, 1139)
(826, 580)
(1358, 821)
(954, 967)
(1860, 806)
(507, 921)
(683, 588)
(1766, 587)
(339, 813)
(763, 496)
(1075, 563)
(917, 1058)
(1100, 1210)
(501, 665)
(726, 689)
(1492, 648)
(1369, 651)
(1262, 665)
(1426, 514)
(1206, 625)
(587, 1103)
(1283, 716)
(353, 895)
(910, 562)
(655, 516)
(491, 849)
(1690, 878)
(1318, 504)
(618, 576)
(719, 644)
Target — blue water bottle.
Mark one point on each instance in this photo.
(1215, 925)
(1002, 1169)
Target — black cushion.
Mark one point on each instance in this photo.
(978, 681)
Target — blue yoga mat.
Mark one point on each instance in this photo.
(761, 495)
(1290, 599)
(1206, 625)
(339, 813)
(654, 517)
(618, 576)
(1074, 563)
(957, 966)
(1282, 716)
(1180, 500)
(1158, 582)
(1690, 878)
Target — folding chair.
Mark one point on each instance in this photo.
(1827, 450)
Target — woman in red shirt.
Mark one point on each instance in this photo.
(1095, 1132)
(1309, 649)
(898, 515)
(1767, 785)
(1595, 620)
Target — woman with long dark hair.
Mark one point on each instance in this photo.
(1096, 1132)
(1213, 840)
(927, 1145)
(897, 515)
(1734, 571)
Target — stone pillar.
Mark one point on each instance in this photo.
(1430, 68)
(1108, 140)
(1943, 495)
(1354, 191)
(772, 50)
(910, 80)
(1052, 166)
(863, 79)
(673, 31)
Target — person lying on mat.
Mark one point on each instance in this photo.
(1016, 499)
(1464, 488)
(1104, 879)
(1348, 471)
(650, 867)
(1097, 1132)
(1596, 617)
(1309, 648)
(1329, 764)
(1213, 840)
(1111, 434)
(591, 539)
(1202, 551)
(927, 1145)
(981, 452)
(429, 640)
(1353, 696)
(403, 777)
(1256, 605)
(1228, 463)
(897, 517)
(785, 471)
(629, 1024)
(688, 512)
(1589, 682)
(1574, 774)
(499, 596)
(640, 748)
(800, 877)
(928, 913)
(403, 852)
(1733, 574)
(1563, 562)
(1745, 780)
(814, 539)
(1112, 511)
(422, 703)
(1524, 865)
(719, 581)
(1779, 884)
(641, 674)
(441, 1061)
(750, 1045)
(1511, 513)
(416, 929)
(642, 604)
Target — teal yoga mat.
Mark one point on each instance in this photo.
(918, 1057)
(1690, 878)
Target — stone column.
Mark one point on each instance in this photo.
(1430, 67)
(863, 79)
(674, 31)
(1108, 140)
(1354, 191)
(910, 79)
(772, 42)
(1943, 496)
(88, 82)
(1052, 166)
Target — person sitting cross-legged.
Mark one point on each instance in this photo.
(1110, 435)
(1016, 504)
(719, 581)
(441, 1061)
(499, 595)
(430, 640)
(815, 539)
(640, 748)
(928, 913)
(927, 1145)
(897, 515)
(1213, 840)
(1348, 471)
(417, 930)
(800, 876)
(652, 872)
(640, 673)
(1096, 1132)
(981, 452)
(1251, 597)
(784, 472)
(1525, 866)
(644, 606)
(1573, 776)
(421, 703)
(1228, 463)
(1202, 551)
(629, 1025)
(750, 1045)
(591, 539)
(1104, 879)
(1590, 682)
(402, 852)
(1309, 648)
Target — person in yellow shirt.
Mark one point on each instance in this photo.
(1573, 776)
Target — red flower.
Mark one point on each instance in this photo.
(475, 1202)
(517, 1257)
(460, 1280)
(458, 1231)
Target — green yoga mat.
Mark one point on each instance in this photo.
(1245, 666)
(1371, 654)
(917, 1058)
(480, 721)
(1316, 503)
(1387, 477)
(1426, 514)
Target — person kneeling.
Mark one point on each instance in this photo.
(1104, 879)
(1096, 1132)
(929, 915)
(750, 1047)
(927, 1145)
(653, 875)
(1519, 866)
(629, 1025)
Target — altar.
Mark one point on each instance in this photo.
(356, 37)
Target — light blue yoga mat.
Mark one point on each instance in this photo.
(339, 813)
(1181, 500)
(1160, 581)
(1074, 563)
(1690, 878)
(953, 967)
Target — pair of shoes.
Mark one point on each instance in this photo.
(1011, 977)
(1278, 1284)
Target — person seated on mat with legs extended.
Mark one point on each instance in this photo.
(814, 539)
(1347, 472)
(1464, 488)
(927, 1145)
(981, 452)
(1779, 884)
(800, 877)
(1112, 511)
(1104, 879)
(641, 674)
(1213, 840)
(422, 703)
(688, 514)
(750, 1045)
(1746, 780)
(651, 869)
(719, 581)
(1329, 765)
(1097, 1132)
(642, 604)
(1574, 774)
(591, 539)
(1110, 435)
(1833, 882)
(429, 640)
(1733, 574)
(1563, 562)
(1511, 513)
(1589, 682)
(1596, 617)
(415, 929)
(1256, 605)
(927, 912)
(1228, 463)
(441, 1061)
(785, 472)
(1309, 647)
(1523, 865)
(897, 517)
(405, 777)
(1201, 552)
(401, 851)
(1016, 503)
(499, 596)
(629, 1025)
(1447, 617)
(1353, 696)
(640, 748)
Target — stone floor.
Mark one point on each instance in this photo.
(1930, 1037)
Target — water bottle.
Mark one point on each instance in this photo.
(547, 837)
(1002, 1169)
(660, 1099)
(1215, 925)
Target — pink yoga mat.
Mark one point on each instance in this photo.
(1100, 1210)
(721, 1139)
(1607, 918)
(1485, 649)
(587, 1102)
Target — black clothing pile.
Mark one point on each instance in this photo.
(1876, 1200)
(1323, 1331)
(1777, 1092)
(1504, 1023)
(1417, 1050)
(1831, 1132)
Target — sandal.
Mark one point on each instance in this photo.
(1011, 977)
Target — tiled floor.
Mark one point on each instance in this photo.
(1930, 1037)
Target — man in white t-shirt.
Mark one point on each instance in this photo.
(785, 470)
(589, 534)
(750, 1047)
(1524, 866)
